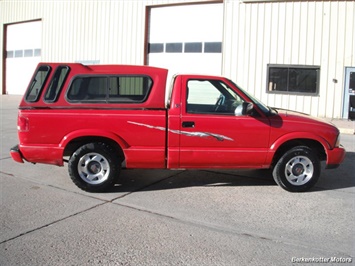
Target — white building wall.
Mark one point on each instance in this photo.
(108, 32)
(320, 33)
(255, 34)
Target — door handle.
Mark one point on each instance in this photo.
(188, 124)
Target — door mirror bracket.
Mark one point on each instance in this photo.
(246, 108)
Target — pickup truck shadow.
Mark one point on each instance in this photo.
(151, 180)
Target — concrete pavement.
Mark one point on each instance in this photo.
(160, 217)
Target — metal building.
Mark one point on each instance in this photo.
(296, 55)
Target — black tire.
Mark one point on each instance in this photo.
(297, 170)
(94, 167)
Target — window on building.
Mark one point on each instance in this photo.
(115, 89)
(293, 79)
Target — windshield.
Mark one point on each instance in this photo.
(255, 101)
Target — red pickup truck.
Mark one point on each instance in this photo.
(101, 118)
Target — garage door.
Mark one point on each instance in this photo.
(23, 52)
(186, 38)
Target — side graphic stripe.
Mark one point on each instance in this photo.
(186, 133)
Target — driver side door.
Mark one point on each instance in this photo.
(213, 134)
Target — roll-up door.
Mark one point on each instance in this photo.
(186, 38)
(23, 53)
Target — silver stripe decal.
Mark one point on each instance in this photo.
(186, 133)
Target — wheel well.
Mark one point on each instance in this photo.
(312, 144)
(74, 144)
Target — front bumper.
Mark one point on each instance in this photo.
(16, 154)
(335, 157)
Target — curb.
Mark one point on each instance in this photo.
(344, 126)
(347, 131)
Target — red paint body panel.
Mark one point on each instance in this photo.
(68, 125)
(335, 157)
(153, 136)
(47, 154)
(16, 156)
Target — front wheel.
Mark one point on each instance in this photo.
(297, 170)
(94, 167)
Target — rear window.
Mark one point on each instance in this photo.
(115, 89)
(57, 82)
(37, 83)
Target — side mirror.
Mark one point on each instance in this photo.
(245, 108)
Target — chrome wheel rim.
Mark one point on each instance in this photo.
(299, 170)
(93, 168)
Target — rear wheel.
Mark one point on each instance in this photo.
(94, 167)
(297, 170)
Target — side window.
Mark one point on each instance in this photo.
(129, 88)
(212, 97)
(97, 88)
(113, 89)
(88, 89)
(202, 92)
(56, 84)
(37, 84)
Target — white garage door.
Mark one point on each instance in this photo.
(23, 53)
(186, 39)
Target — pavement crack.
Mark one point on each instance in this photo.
(51, 223)
(103, 202)
(4, 173)
(232, 231)
(5, 158)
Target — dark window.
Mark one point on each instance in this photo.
(352, 81)
(174, 47)
(56, 84)
(37, 52)
(213, 47)
(156, 48)
(37, 83)
(120, 89)
(28, 53)
(19, 53)
(293, 79)
(129, 89)
(92, 88)
(9, 54)
(193, 47)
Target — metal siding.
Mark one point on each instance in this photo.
(255, 34)
(301, 33)
(108, 31)
(111, 32)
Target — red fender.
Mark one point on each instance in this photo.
(93, 133)
(292, 136)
